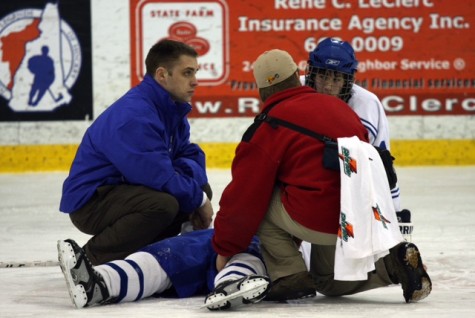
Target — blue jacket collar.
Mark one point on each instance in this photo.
(162, 98)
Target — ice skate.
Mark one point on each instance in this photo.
(86, 286)
(247, 290)
(410, 272)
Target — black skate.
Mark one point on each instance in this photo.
(86, 286)
(247, 290)
(409, 272)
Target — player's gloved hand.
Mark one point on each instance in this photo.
(405, 224)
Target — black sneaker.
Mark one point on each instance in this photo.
(86, 286)
(247, 290)
(408, 270)
(296, 286)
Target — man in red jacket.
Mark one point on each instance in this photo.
(281, 191)
(278, 176)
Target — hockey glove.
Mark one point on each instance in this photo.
(405, 224)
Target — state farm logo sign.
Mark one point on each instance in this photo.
(202, 25)
(186, 32)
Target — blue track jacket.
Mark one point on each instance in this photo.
(141, 139)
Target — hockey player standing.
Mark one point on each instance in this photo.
(331, 70)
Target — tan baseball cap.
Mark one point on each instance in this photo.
(273, 67)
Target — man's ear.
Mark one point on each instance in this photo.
(161, 74)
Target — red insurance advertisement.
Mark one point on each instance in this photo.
(417, 56)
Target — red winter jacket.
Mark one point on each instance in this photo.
(292, 160)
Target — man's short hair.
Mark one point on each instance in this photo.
(165, 53)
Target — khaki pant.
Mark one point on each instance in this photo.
(277, 234)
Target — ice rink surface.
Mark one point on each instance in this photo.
(442, 201)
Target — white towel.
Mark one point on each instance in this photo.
(368, 222)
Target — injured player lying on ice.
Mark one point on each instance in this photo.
(181, 266)
(185, 266)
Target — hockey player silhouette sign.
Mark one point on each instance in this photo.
(42, 66)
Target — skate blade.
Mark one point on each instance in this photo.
(247, 291)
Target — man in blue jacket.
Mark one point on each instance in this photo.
(136, 177)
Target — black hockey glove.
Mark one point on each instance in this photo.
(405, 224)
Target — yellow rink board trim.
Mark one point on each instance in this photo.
(25, 158)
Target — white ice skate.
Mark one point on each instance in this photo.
(86, 287)
(247, 290)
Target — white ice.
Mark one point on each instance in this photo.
(442, 201)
